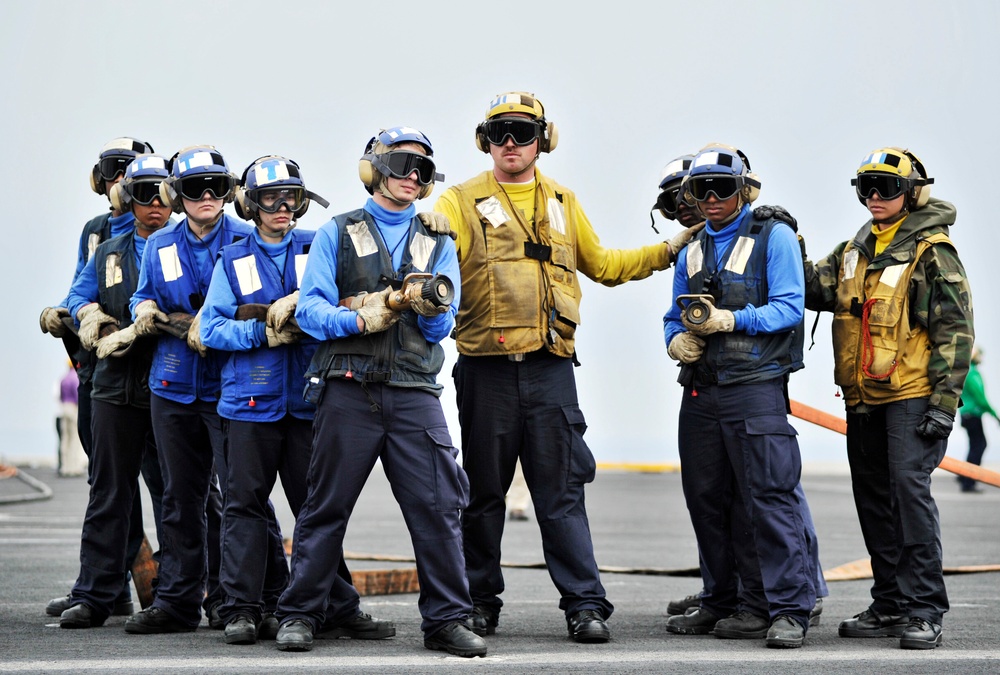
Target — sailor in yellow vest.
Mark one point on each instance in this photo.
(523, 242)
(902, 341)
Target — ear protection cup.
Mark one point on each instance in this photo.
(751, 187)
(481, 142)
(239, 203)
(120, 200)
(920, 194)
(366, 172)
(96, 182)
(550, 138)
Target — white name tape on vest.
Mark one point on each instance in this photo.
(362, 239)
(492, 210)
(170, 263)
(300, 267)
(420, 251)
(246, 274)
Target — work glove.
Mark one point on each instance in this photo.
(778, 213)
(92, 319)
(686, 348)
(147, 313)
(425, 307)
(281, 310)
(936, 424)
(718, 321)
(194, 336)
(802, 248)
(374, 311)
(116, 344)
(437, 223)
(286, 336)
(51, 321)
(681, 240)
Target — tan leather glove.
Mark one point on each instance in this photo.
(374, 311)
(426, 307)
(51, 321)
(117, 344)
(286, 336)
(718, 321)
(147, 313)
(681, 239)
(281, 310)
(437, 223)
(92, 318)
(194, 336)
(686, 348)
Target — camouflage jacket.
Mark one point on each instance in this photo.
(939, 298)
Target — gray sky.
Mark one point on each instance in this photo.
(805, 89)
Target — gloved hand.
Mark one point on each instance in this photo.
(92, 318)
(286, 336)
(51, 321)
(147, 313)
(764, 212)
(718, 321)
(116, 344)
(281, 310)
(936, 424)
(374, 311)
(686, 348)
(681, 240)
(425, 307)
(194, 336)
(802, 248)
(437, 223)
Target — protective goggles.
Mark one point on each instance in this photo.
(886, 185)
(667, 201)
(400, 164)
(144, 192)
(521, 131)
(271, 201)
(723, 187)
(112, 167)
(194, 187)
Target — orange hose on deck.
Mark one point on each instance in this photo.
(838, 424)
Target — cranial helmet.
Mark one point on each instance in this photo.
(516, 102)
(381, 161)
(193, 171)
(891, 172)
(670, 186)
(114, 157)
(721, 170)
(141, 183)
(273, 172)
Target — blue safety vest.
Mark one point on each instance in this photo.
(271, 378)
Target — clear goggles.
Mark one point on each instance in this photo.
(402, 163)
(195, 187)
(271, 200)
(519, 130)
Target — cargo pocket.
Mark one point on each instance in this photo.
(451, 485)
(581, 467)
(773, 460)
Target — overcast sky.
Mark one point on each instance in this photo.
(805, 89)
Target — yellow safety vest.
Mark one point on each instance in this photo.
(879, 356)
(513, 303)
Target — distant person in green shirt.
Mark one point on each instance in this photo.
(974, 407)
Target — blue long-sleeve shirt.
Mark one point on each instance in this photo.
(785, 283)
(319, 313)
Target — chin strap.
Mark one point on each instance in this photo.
(269, 235)
(895, 219)
(388, 195)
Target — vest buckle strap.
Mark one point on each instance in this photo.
(376, 377)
